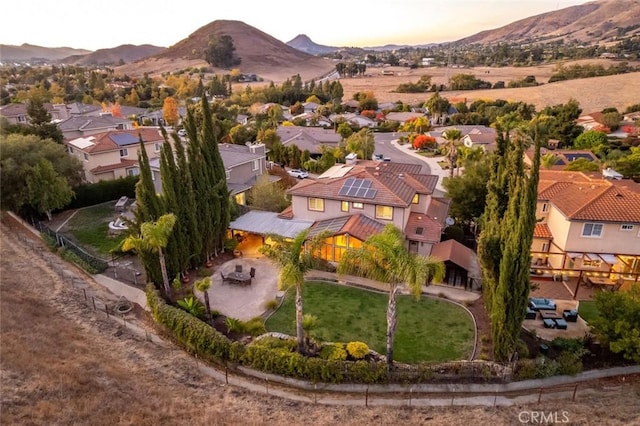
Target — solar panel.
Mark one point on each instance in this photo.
(122, 139)
(361, 192)
(343, 190)
(360, 188)
(371, 193)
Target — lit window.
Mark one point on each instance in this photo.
(384, 212)
(593, 230)
(416, 199)
(316, 204)
(124, 152)
(626, 227)
(344, 206)
(357, 205)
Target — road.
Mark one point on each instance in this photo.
(384, 147)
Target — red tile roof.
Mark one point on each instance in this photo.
(461, 255)
(104, 142)
(542, 231)
(421, 227)
(109, 167)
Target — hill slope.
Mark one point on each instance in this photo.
(304, 43)
(259, 52)
(589, 22)
(126, 52)
(26, 52)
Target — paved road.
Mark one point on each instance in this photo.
(386, 148)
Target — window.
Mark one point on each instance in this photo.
(157, 147)
(316, 204)
(227, 174)
(384, 212)
(357, 205)
(256, 165)
(416, 199)
(86, 157)
(592, 230)
(545, 247)
(626, 227)
(419, 230)
(545, 207)
(344, 206)
(124, 152)
(133, 172)
(70, 150)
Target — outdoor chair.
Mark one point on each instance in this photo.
(531, 314)
(223, 278)
(570, 315)
(252, 272)
(238, 268)
(549, 323)
(561, 324)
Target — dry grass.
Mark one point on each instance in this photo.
(64, 364)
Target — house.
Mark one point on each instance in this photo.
(114, 154)
(591, 121)
(401, 117)
(243, 165)
(587, 225)
(312, 119)
(355, 201)
(472, 136)
(17, 113)
(81, 127)
(563, 156)
(309, 138)
(354, 119)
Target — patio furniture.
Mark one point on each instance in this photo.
(531, 314)
(224, 278)
(549, 323)
(239, 278)
(570, 315)
(561, 324)
(552, 315)
(238, 268)
(539, 304)
(252, 272)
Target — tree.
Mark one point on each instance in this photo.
(40, 121)
(424, 142)
(384, 257)
(437, 106)
(468, 192)
(36, 174)
(361, 143)
(582, 165)
(295, 262)
(203, 286)
(153, 238)
(548, 160)
(268, 196)
(170, 111)
(220, 52)
(452, 136)
(591, 139)
(620, 327)
(192, 305)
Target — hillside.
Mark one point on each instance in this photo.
(589, 23)
(259, 52)
(125, 53)
(27, 52)
(304, 43)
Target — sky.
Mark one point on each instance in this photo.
(95, 25)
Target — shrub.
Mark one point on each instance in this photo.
(271, 305)
(522, 349)
(570, 363)
(234, 325)
(254, 327)
(357, 350)
(272, 342)
(525, 369)
(333, 352)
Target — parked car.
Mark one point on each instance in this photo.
(298, 173)
(378, 157)
(539, 303)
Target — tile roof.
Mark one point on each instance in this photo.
(261, 222)
(421, 227)
(232, 155)
(91, 123)
(461, 255)
(542, 230)
(109, 167)
(103, 142)
(359, 225)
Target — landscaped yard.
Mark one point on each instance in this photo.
(90, 227)
(588, 310)
(428, 329)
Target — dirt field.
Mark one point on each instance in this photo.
(62, 363)
(593, 94)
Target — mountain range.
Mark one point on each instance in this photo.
(592, 22)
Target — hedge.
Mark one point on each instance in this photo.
(89, 194)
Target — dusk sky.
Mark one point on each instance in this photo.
(97, 25)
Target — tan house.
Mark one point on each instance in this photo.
(112, 155)
(587, 226)
(357, 200)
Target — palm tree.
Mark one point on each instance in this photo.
(452, 136)
(384, 257)
(204, 285)
(295, 262)
(153, 238)
(192, 305)
(548, 160)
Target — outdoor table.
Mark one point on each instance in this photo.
(239, 277)
(552, 315)
(601, 282)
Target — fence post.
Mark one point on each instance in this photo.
(410, 395)
(539, 395)
(93, 301)
(84, 292)
(575, 390)
(266, 381)
(366, 397)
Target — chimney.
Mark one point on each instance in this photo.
(401, 175)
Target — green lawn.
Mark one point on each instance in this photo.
(90, 227)
(588, 311)
(428, 329)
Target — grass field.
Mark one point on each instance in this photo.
(90, 227)
(588, 310)
(428, 329)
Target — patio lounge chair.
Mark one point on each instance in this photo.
(561, 324)
(549, 323)
(570, 315)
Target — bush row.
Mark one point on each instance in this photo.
(90, 194)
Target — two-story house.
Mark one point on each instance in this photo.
(112, 155)
(81, 126)
(17, 113)
(309, 138)
(243, 165)
(354, 201)
(587, 225)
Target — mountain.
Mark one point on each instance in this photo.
(29, 52)
(125, 53)
(260, 54)
(589, 23)
(303, 43)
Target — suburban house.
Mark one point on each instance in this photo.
(401, 117)
(354, 201)
(114, 154)
(472, 136)
(82, 127)
(563, 156)
(587, 226)
(313, 119)
(354, 119)
(17, 113)
(243, 165)
(309, 138)
(591, 121)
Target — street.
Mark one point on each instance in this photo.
(384, 147)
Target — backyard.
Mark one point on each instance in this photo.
(428, 329)
(89, 226)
